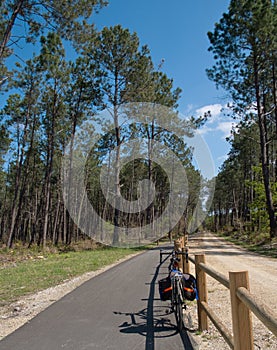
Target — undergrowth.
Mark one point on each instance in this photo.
(258, 242)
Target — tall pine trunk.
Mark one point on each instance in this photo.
(117, 179)
(261, 110)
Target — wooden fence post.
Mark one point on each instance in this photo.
(185, 260)
(178, 247)
(241, 315)
(178, 244)
(202, 292)
(181, 263)
(186, 240)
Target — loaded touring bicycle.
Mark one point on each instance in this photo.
(178, 287)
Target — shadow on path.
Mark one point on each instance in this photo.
(155, 321)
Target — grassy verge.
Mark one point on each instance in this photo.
(254, 242)
(24, 273)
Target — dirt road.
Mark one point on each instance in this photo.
(225, 257)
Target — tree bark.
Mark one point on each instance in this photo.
(117, 178)
(264, 155)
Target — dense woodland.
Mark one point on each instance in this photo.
(244, 44)
(47, 97)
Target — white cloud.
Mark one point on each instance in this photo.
(217, 122)
(218, 125)
(214, 109)
(225, 128)
(205, 130)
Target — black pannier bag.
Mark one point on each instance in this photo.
(165, 288)
(189, 286)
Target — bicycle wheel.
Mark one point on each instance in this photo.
(179, 314)
(177, 305)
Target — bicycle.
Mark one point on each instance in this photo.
(177, 287)
(178, 303)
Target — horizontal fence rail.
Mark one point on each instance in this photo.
(262, 311)
(223, 330)
(216, 275)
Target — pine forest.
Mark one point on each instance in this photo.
(47, 97)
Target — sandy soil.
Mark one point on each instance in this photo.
(225, 257)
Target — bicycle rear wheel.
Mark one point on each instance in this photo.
(179, 315)
(177, 305)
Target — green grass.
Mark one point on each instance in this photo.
(38, 272)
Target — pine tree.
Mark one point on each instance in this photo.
(244, 47)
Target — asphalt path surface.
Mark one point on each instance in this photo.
(118, 309)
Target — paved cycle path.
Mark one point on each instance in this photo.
(118, 309)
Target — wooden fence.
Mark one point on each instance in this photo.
(242, 302)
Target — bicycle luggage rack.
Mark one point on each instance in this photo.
(185, 254)
(164, 252)
(168, 253)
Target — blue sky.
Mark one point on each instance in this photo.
(176, 31)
